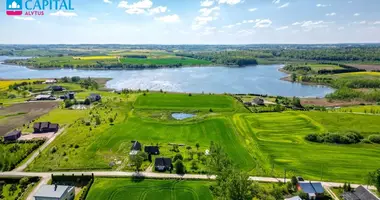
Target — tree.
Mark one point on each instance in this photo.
(138, 159)
(24, 182)
(178, 156)
(87, 101)
(375, 178)
(197, 145)
(239, 186)
(296, 102)
(194, 165)
(294, 181)
(349, 187)
(188, 148)
(294, 77)
(179, 167)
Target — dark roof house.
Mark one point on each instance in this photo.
(44, 127)
(136, 146)
(163, 164)
(152, 150)
(56, 88)
(360, 193)
(12, 136)
(258, 101)
(94, 97)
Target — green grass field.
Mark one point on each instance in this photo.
(12, 154)
(202, 102)
(371, 109)
(164, 61)
(122, 188)
(316, 67)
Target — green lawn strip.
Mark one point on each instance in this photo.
(120, 188)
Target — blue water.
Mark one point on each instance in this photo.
(260, 79)
(182, 116)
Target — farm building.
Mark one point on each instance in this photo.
(313, 190)
(12, 136)
(70, 95)
(56, 88)
(136, 147)
(258, 101)
(42, 97)
(50, 81)
(360, 193)
(152, 150)
(44, 127)
(94, 97)
(55, 192)
(163, 164)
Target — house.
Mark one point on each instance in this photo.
(94, 97)
(294, 198)
(70, 95)
(45, 127)
(56, 88)
(313, 190)
(55, 192)
(152, 150)
(12, 136)
(163, 164)
(43, 97)
(248, 103)
(136, 147)
(360, 193)
(258, 101)
(50, 81)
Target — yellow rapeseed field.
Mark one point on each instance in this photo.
(4, 84)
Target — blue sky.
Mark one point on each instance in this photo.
(198, 22)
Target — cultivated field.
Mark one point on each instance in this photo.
(17, 115)
(122, 188)
(366, 67)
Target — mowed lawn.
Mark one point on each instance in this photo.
(280, 137)
(202, 102)
(126, 188)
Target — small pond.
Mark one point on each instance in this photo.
(182, 116)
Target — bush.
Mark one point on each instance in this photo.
(179, 167)
(337, 138)
(53, 149)
(374, 139)
(178, 156)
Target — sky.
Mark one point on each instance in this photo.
(198, 22)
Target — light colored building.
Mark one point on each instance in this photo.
(55, 192)
(51, 81)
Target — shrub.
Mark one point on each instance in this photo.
(337, 138)
(179, 167)
(76, 146)
(53, 149)
(374, 138)
(178, 156)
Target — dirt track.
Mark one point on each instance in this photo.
(19, 114)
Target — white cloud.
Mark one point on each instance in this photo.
(356, 14)
(309, 25)
(282, 28)
(265, 23)
(362, 22)
(168, 18)
(61, 13)
(123, 4)
(229, 26)
(323, 5)
(252, 9)
(341, 28)
(245, 32)
(276, 1)
(330, 14)
(135, 11)
(92, 18)
(200, 21)
(284, 5)
(207, 11)
(24, 18)
(137, 8)
(157, 10)
(229, 2)
(207, 3)
(376, 22)
(107, 1)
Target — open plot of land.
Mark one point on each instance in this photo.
(122, 188)
(366, 67)
(280, 139)
(186, 102)
(17, 115)
(317, 67)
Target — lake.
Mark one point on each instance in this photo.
(259, 79)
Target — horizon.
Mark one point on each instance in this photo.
(201, 22)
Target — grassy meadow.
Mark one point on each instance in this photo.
(316, 67)
(120, 188)
(12, 154)
(164, 61)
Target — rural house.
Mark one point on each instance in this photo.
(258, 101)
(45, 127)
(70, 95)
(94, 97)
(50, 81)
(56, 88)
(136, 147)
(55, 192)
(360, 193)
(152, 150)
(313, 190)
(42, 97)
(12, 136)
(163, 164)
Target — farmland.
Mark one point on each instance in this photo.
(164, 61)
(120, 188)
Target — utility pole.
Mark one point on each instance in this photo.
(285, 176)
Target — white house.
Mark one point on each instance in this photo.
(55, 192)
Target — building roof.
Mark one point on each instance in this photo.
(363, 194)
(43, 96)
(37, 125)
(52, 191)
(13, 133)
(53, 126)
(44, 124)
(151, 149)
(94, 95)
(136, 146)
(309, 187)
(167, 162)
